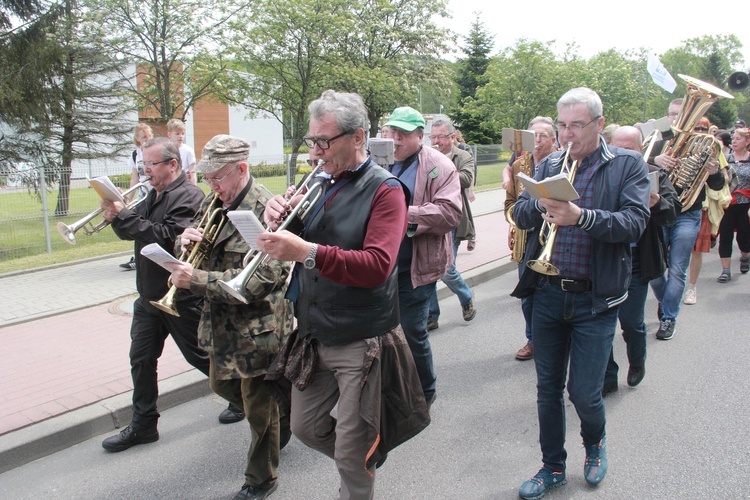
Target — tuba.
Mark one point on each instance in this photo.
(548, 232)
(518, 236)
(212, 222)
(292, 221)
(693, 150)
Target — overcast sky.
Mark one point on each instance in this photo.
(599, 25)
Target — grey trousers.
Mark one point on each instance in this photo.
(338, 379)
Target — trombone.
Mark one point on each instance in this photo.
(68, 232)
(543, 263)
(290, 221)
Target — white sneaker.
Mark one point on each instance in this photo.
(691, 296)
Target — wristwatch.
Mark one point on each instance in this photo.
(309, 261)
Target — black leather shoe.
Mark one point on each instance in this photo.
(609, 387)
(231, 415)
(130, 436)
(249, 492)
(635, 375)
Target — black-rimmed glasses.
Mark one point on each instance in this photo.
(321, 143)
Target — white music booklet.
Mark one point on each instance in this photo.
(556, 187)
(248, 225)
(106, 189)
(157, 254)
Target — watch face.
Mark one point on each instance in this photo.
(309, 263)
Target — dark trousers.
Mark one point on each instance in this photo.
(148, 332)
(254, 395)
(735, 217)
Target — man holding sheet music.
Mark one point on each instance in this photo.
(169, 208)
(241, 338)
(575, 311)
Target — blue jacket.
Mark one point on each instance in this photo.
(617, 219)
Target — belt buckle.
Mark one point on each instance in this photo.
(564, 281)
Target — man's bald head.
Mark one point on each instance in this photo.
(627, 137)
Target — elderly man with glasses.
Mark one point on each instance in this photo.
(168, 210)
(348, 346)
(575, 311)
(241, 337)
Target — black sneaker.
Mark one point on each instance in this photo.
(250, 492)
(130, 436)
(469, 311)
(130, 265)
(666, 329)
(231, 415)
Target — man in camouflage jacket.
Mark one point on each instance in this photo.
(241, 338)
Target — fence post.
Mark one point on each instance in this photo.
(45, 208)
(288, 165)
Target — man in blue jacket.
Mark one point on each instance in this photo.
(574, 325)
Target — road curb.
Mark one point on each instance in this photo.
(58, 433)
(50, 436)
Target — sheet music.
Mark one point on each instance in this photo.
(106, 189)
(248, 225)
(157, 254)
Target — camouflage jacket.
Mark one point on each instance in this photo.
(241, 338)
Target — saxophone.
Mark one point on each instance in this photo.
(518, 236)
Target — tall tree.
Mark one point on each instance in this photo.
(176, 46)
(469, 76)
(388, 52)
(281, 60)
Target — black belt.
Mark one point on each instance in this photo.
(570, 285)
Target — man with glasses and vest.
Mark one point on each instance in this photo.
(575, 312)
(348, 346)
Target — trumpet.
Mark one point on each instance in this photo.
(548, 232)
(68, 232)
(292, 221)
(212, 222)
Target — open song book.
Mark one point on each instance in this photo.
(557, 187)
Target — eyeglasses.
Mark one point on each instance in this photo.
(439, 137)
(321, 143)
(700, 129)
(575, 127)
(152, 164)
(215, 181)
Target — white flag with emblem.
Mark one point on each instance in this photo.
(659, 74)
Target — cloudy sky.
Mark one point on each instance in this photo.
(596, 26)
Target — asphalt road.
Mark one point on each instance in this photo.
(682, 434)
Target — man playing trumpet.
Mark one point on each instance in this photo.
(241, 339)
(575, 310)
(168, 209)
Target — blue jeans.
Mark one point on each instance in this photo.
(568, 336)
(454, 282)
(632, 324)
(680, 237)
(527, 307)
(413, 304)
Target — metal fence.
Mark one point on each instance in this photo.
(29, 217)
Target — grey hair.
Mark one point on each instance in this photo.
(349, 108)
(546, 120)
(582, 95)
(169, 149)
(444, 122)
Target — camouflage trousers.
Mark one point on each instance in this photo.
(255, 396)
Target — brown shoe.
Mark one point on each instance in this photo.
(525, 353)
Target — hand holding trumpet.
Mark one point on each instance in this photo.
(562, 213)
